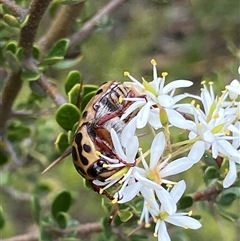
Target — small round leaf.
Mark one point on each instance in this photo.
(62, 219)
(62, 142)
(11, 21)
(73, 94)
(57, 52)
(67, 115)
(61, 203)
(211, 173)
(74, 77)
(185, 202)
(125, 215)
(226, 199)
(86, 99)
(36, 209)
(2, 220)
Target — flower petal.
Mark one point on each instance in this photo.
(143, 115)
(167, 201)
(117, 145)
(183, 221)
(129, 192)
(231, 175)
(176, 84)
(131, 149)
(157, 148)
(197, 151)
(178, 190)
(162, 232)
(180, 165)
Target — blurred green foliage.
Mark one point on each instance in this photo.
(190, 39)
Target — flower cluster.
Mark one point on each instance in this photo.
(212, 124)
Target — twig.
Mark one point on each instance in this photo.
(28, 32)
(61, 26)
(51, 90)
(11, 88)
(91, 25)
(85, 229)
(16, 195)
(206, 195)
(14, 8)
(13, 83)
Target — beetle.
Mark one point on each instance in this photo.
(102, 113)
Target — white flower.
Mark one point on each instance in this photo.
(213, 124)
(156, 97)
(179, 219)
(234, 88)
(233, 162)
(155, 174)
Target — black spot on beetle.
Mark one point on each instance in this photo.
(99, 91)
(84, 115)
(78, 140)
(80, 170)
(86, 148)
(74, 154)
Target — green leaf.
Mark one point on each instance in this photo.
(57, 52)
(12, 61)
(61, 203)
(125, 215)
(36, 52)
(235, 190)
(74, 77)
(107, 229)
(209, 160)
(89, 88)
(28, 75)
(227, 215)
(2, 220)
(74, 94)
(24, 21)
(62, 219)
(11, 21)
(67, 115)
(36, 209)
(3, 153)
(185, 202)
(211, 173)
(71, 133)
(17, 131)
(42, 188)
(62, 142)
(68, 63)
(86, 98)
(226, 199)
(12, 46)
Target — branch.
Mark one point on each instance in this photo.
(206, 195)
(11, 88)
(91, 25)
(85, 229)
(52, 92)
(13, 83)
(14, 8)
(16, 195)
(28, 32)
(61, 26)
